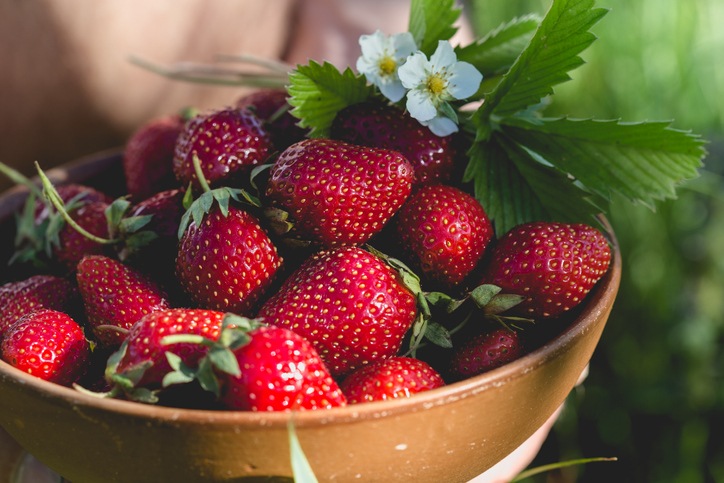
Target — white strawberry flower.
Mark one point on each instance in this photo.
(433, 83)
(380, 59)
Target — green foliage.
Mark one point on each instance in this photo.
(432, 20)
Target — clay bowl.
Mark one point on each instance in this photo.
(448, 434)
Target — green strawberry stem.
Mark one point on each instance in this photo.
(562, 464)
(301, 469)
(53, 196)
(269, 64)
(18, 178)
(200, 174)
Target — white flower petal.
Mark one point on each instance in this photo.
(404, 44)
(392, 90)
(420, 105)
(464, 81)
(441, 126)
(414, 70)
(373, 45)
(444, 56)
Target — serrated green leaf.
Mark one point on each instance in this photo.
(318, 91)
(644, 162)
(133, 224)
(551, 54)
(181, 374)
(483, 294)
(497, 51)
(516, 188)
(116, 211)
(224, 360)
(438, 335)
(431, 21)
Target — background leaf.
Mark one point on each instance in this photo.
(642, 161)
(318, 91)
(432, 20)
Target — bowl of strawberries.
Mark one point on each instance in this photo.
(325, 281)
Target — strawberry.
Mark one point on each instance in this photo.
(69, 193)
(34, 293)
(554, 265)
(485, 351)
(348, 303)
(115, 296)
(270, 105)
(142, 361)
(337, 193)
(226, 262)
(444, 232)
(384, 126)
(47, 344)
(228, 143)
(396, 377)
(279, 370)
(148, 156)
(72, 245)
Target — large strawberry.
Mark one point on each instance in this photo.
(34, 293)
(228, 143)
(47, 344)
(485, 351)
(141, 362)
(279, 370)
(384, 126)
(226, 261)
(444, 232)
(115, 296)
(348, 303)
(554, 265)
(271, 106)
(148, 156)
(396, 377)
(338, 193)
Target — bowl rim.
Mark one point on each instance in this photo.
(601, 297)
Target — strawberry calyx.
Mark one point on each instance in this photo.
(219, 354)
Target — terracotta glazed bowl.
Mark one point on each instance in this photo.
(449, 434)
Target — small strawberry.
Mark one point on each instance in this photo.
(278, 370)
(383, 126)
(270, 105)
(337, 193)
(554, 265)
(115, 296)
(34, 293)
(47, 344)
(348, 303)
(141, 362)
(148, 156)
(396, 377)
(444, 232)
(228, 143)
(226, 261)
(70, 193)
(71, 245)
(484, 352)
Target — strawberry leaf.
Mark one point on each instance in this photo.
(496, 52)
(641, 161)
(318, 91)
(552, 52)
(301, 469)
(432, 20)
(438, 335)
(181, 373)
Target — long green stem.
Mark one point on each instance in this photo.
(554, 466)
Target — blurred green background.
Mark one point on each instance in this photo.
(654, 398)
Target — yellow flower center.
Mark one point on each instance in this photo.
(436, 84)
(387, 65)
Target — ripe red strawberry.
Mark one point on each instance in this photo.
(227, 262)
(279, 371)
(72, 246)
(348, 303)
(47, 344)
(115, 295)
(270, 105)
(484, 352)
(396, 377)
(338, 193)
(34, 293)
(70, 192)
(554, 265)
(143, 361)
(444, 232)
(384, 126)
(148, 156)
(228, 142)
